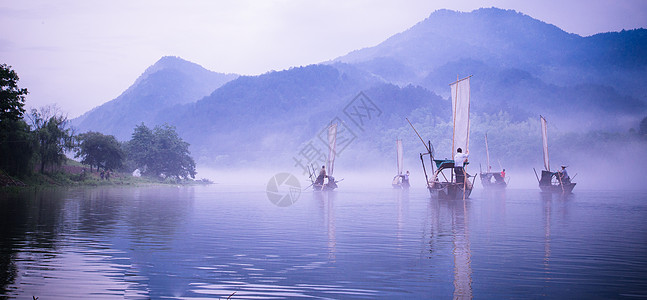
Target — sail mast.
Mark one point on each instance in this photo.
(455, 98)
(399, 155)
(487, 155)
(544, 139)
(332, 143)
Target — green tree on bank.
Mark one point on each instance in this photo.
(52, 136)
(102, 151)
(160, 152)
(16, 149)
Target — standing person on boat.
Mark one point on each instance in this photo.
(405, 180)
(460, 159)
(503, 174)
(322, 175)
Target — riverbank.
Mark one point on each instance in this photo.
(75, 174)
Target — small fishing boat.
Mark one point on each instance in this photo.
(325, 181)
(491, 179)
(446, 182)
(400, 181)
(558, 182)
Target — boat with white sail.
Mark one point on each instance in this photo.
(401, 180)
(325, 181)
(491, 179)
(550, 181)
(449, 180)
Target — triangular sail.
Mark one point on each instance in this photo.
(332, 144)
(399, 154)
(461, 114)
(487, 154)
(544, 139)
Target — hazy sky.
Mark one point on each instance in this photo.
(82, 53)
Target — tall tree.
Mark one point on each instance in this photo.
(15, 139)
(52, 136)
(12, 98)
(160, 152)
(171, 154)
(16, 147)
(139, 148)
(102, 151)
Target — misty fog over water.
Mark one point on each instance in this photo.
(356, 242)
(250, 235)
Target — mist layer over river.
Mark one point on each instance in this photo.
(214, 241)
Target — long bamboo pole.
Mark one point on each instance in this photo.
(416, 131)
(454, 116)
(424, 169)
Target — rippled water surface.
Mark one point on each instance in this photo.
(215, 241)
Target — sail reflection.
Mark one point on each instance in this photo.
(547, 203)
(461, 251)
(327, 204)
(455, 213)
(402, 198)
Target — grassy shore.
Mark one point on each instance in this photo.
(73, 173)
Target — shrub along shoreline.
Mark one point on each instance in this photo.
(72, 173)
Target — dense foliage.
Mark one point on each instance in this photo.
(16, 147)
(44, 140)
(15, 140)
(160, 152)
(52, 136)
(102, 151)
(12, 98)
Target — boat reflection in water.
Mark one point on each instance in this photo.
(326, 202)
(454, 212)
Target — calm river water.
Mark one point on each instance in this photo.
(214, 241)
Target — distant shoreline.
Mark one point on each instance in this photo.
(74, 175)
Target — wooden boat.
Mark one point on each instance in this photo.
(552, 181)
(444, 184)
(491, 179)
(400, 181)
(327, 182)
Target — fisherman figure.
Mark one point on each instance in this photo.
(405, 180)
(563, 176)
(500, 179)
(322, 174)
(460, 159)
(331, 183)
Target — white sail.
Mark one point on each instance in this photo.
(399, 154)
(332, 144)
(487, 154)
(461, 114)
(544, 138)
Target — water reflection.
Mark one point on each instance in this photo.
(144, 243)
(456, 214)
(402, 198)
(30, 220)
(53, 236)
(326, 202)
(461, 251)
(547, 207)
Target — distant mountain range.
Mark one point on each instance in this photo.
(521, 67)
(170, 81)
